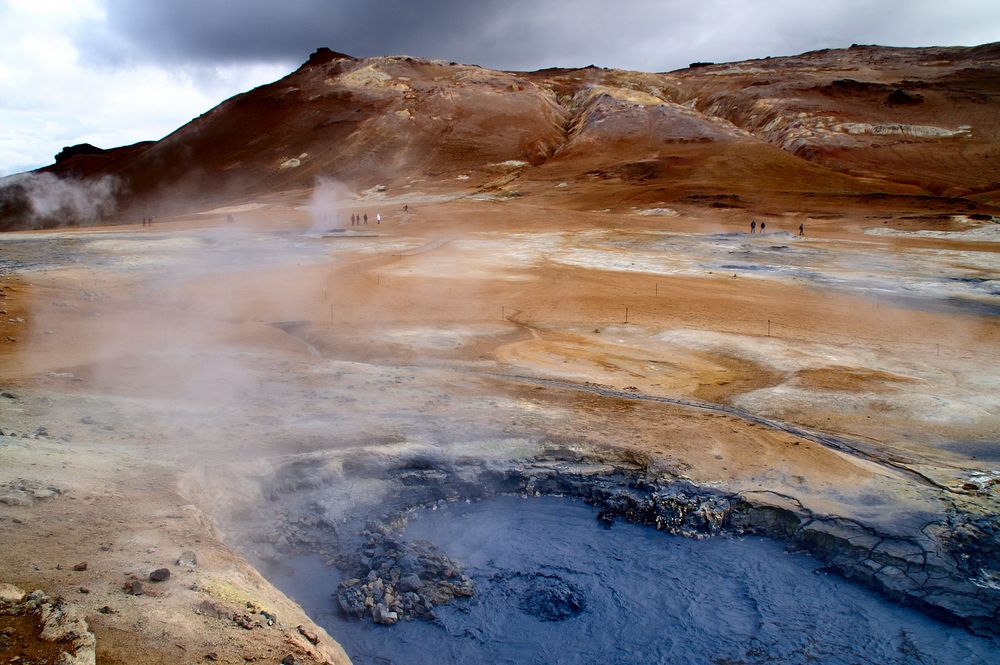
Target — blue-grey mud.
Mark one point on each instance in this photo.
(554, 585)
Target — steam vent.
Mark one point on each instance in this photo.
(400, 360)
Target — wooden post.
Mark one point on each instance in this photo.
(769, 327)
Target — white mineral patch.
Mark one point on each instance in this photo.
(608, 259)
(658, 212)
(452, 337)
(915, 131)
(984, 233)
(370, 76)
(511, 164)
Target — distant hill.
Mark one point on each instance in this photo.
(862, 121)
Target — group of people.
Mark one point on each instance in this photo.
(362, 219)
(147, 221)
(763, 225)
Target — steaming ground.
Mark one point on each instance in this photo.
(173, 367)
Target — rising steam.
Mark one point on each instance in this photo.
(328, 197)
(46, 200)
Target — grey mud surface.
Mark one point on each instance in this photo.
(555, 586)
(737, 580)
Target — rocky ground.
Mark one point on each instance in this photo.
(207, 398)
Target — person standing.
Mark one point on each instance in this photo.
(802, 230)
(378, 218)
(366, 219)
(762, 225)
(753, 226)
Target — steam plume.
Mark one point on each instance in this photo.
(327, 198)
(43, 199)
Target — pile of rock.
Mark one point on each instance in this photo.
(400, 580)
(57, 622)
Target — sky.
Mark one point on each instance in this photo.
(113, 72)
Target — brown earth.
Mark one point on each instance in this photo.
(173, 368)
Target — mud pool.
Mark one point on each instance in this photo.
(555, 586)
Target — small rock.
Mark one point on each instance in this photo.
(17, 498)
(384, 616)
(212, 609)
(971, 487)
(87, 420)
(134, 588)
(80, 567)
(84, 589)
(212, 656)
(408, 583)
(8, 395)
(160, 575)
(269, 617)
(309, 635)
(289, 660)
(107, 609)
(187, 559)
(10, 594)
(246, 622)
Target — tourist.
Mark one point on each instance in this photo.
(378, 218)
(762, 225)
(802, 230)
(753, 226)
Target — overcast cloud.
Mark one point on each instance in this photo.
(112, 72)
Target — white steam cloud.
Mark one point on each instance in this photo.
(327, 199)
(43, 199)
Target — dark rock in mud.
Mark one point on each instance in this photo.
(386, 593)
(409, 583)
(551, 598)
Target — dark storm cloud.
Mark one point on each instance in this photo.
(214, 31)
(525, 34)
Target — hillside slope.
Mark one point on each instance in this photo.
(853, 122)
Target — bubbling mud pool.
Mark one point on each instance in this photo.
(555, 586)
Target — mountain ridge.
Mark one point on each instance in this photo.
(864, 120)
